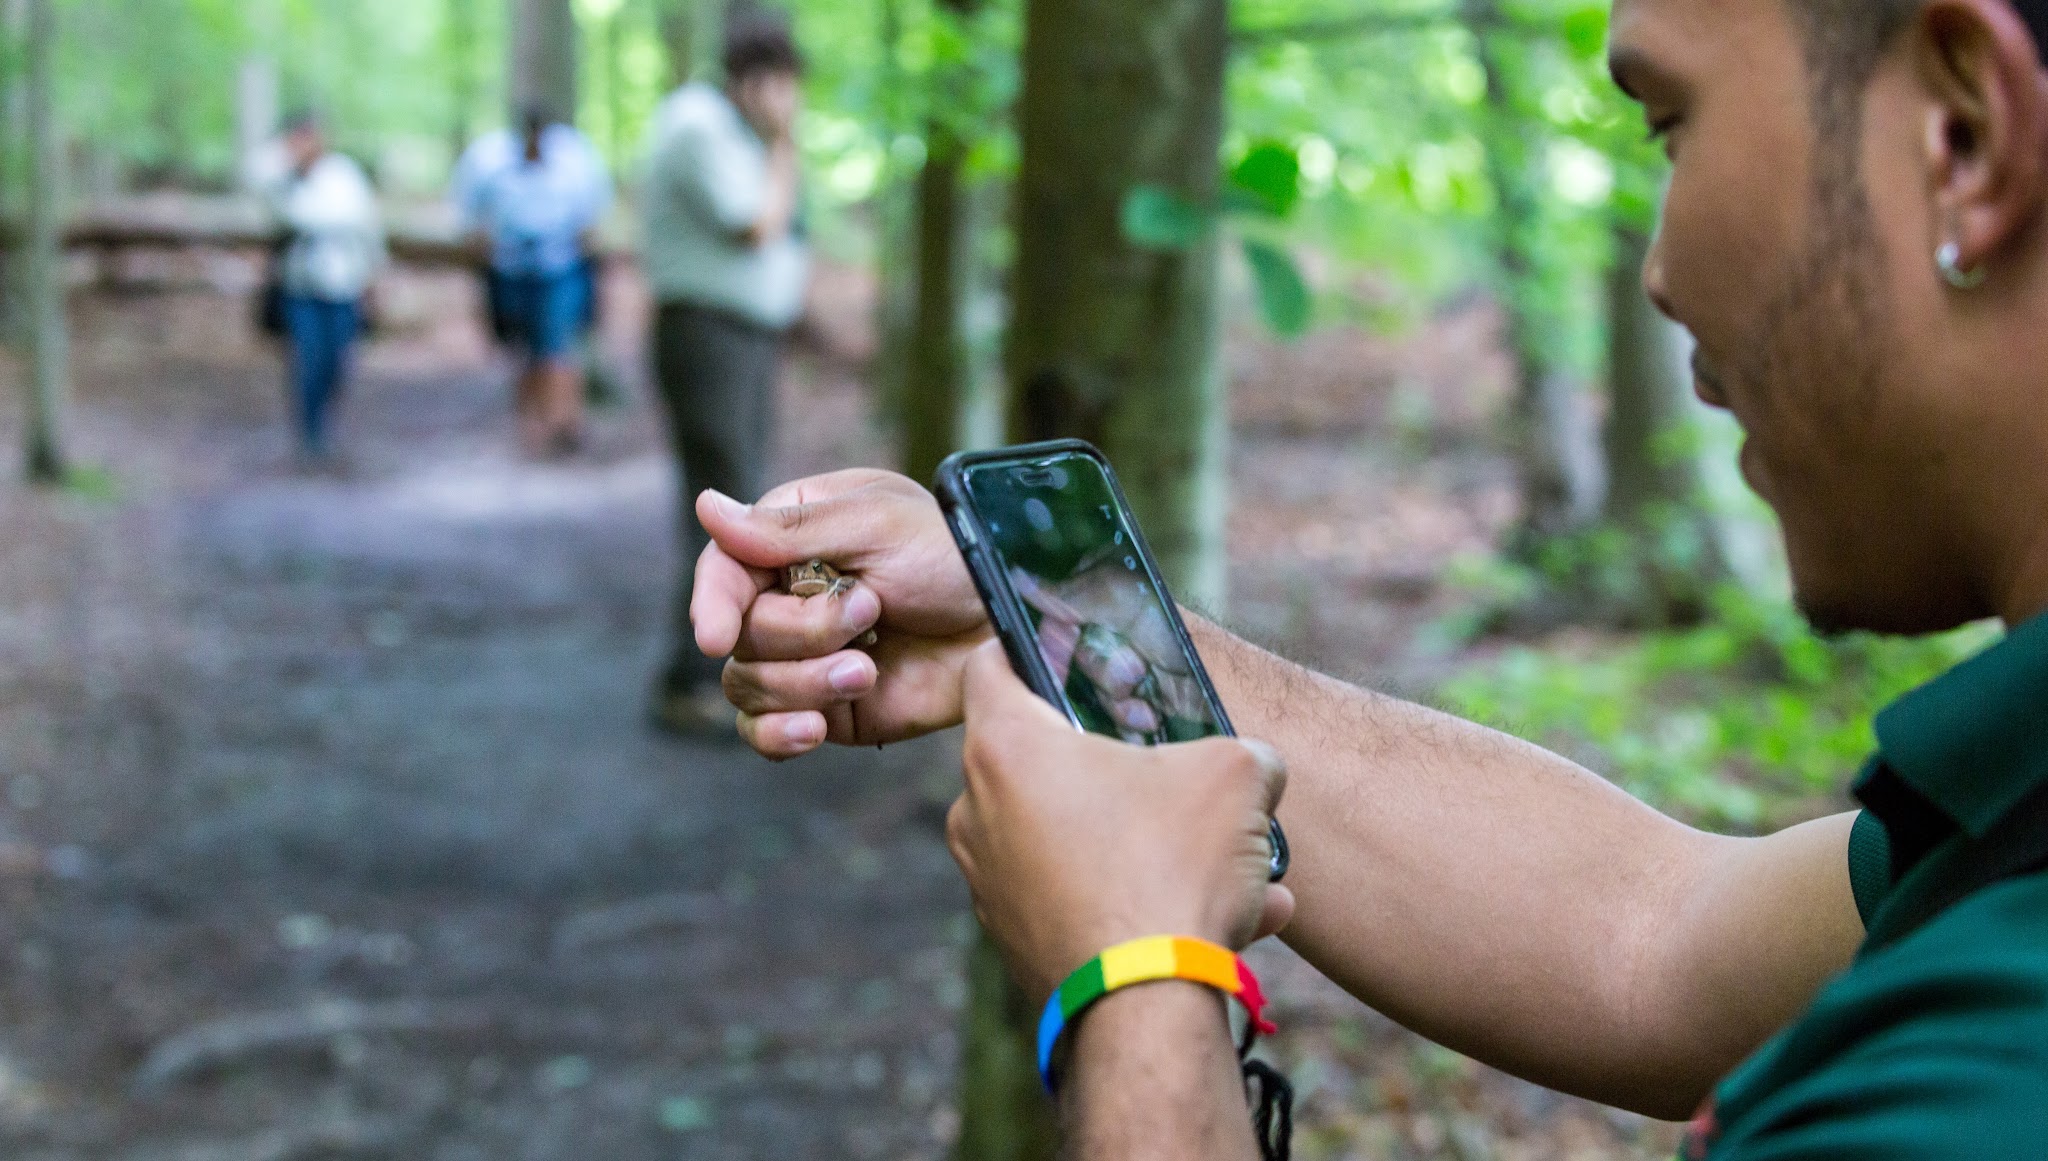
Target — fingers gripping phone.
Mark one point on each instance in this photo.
(1077, 599)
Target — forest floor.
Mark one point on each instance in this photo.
(330, 825)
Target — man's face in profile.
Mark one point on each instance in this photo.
(1792, 213)
(305, 145)
(770, 100)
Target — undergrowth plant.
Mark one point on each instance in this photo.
(1730, 724)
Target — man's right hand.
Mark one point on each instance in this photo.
(793, 676)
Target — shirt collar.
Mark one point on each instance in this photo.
(1975, 741)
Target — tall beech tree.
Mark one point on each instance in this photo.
(42, 292)
(1112, 341)
(541, 64)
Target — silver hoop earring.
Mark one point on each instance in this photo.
(1949, 260)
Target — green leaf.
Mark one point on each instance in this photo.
(1284, 297)
(1159, 219)
(1271, 174)
(1585, 30)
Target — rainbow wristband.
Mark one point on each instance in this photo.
(1144, 961)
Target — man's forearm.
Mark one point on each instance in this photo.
(1510, 904)
(1152, 1077)
(778, 213)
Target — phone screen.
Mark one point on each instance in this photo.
(1104, 628)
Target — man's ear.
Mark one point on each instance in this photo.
(1987, 124)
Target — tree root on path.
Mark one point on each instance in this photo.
(594, 928)
(331, 1140)
(224, 1042)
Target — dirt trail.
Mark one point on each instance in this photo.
(331, 827)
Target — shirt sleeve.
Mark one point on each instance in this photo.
(1870, 864)
(718, 174)
(1958, 1105)
(1935, 1049)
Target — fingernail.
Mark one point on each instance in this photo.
(726, 506)
(849, 676)
(803, 732)
(861, 609)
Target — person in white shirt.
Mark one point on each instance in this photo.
(728, 266)
(331, 253)
(535, 198)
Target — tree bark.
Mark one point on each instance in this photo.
(690, 31)
(1004, 1113)
(1656, 492)
(43, 272)
(1548, 430)
(1109, 341)
(1112, 343)
(542, 65)
(459, 46)
(256, 113)
(937, 373)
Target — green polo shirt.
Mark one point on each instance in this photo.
(1934, 1044)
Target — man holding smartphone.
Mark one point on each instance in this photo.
(1857, 234)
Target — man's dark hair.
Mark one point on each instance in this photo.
(537, 117)
(1845, 38)
(302, 121)
(759, 41)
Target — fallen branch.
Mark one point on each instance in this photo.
(424, 236)
(224, 1042)
(595, 928)
(331, 1140)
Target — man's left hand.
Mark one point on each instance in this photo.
(1073, 843)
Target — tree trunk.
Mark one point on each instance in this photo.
(43, 294)
(1549, 431)
(1655, 487)
(256, 113)
(1004, 1113)
(937, 373)
(1109, 341)
(460, 35)
(542, 67)
(1112, 343)
(690, 31)
(896, 223)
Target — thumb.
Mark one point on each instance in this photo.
(1276, 914)
(837, 530)
(1272, 773)
(995, 694)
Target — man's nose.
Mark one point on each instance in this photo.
(1653, 276)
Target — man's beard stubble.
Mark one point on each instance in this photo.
(1823, 330)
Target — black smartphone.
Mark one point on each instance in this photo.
(1077, 598)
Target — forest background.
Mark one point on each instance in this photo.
(1250, 180)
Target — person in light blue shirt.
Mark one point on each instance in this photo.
(534, 199)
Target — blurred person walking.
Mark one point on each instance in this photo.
(533, 201)
(728, 266)
(328, 257)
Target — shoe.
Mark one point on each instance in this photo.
(702, 712)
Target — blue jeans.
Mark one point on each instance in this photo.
(548, 312)
(322, 335)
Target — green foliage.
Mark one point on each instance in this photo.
(1260, 192)
(1266, 181)
(92, 484)
(1159, 219)
(1284, 298)
(1730, 724)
